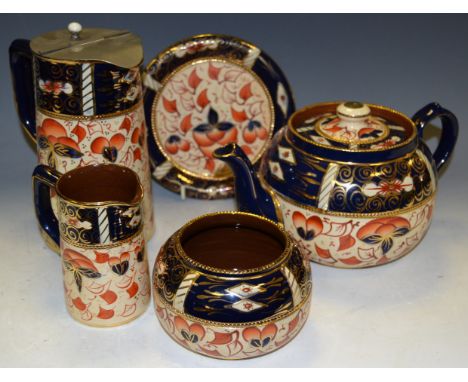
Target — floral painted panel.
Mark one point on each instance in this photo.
(356, 242)
(206, 105)
(231, 342)
(106, 287)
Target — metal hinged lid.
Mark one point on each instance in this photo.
(117, 47)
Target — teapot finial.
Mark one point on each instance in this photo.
(353, 109)
(75, 28)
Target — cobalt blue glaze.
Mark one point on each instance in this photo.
(300, 176)
(348, 197)
(42, 80)
(115, 89)
(272, 75)
(254, 198)
(198, 298)
(449, 130)
(23, 83)
(119, 224)
(224, 296)
(45, 178)
(78, 222)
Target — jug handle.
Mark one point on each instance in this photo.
(44, 179)
(449, 134)
(21, 65)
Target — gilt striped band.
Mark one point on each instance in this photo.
(87, 93)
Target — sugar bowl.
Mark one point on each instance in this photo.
(231, 285)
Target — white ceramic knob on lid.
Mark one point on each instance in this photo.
(353, 110)
(354, 124)
(75, 28)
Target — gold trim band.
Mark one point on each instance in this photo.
(68, 117)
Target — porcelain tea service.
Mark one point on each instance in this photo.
(343, 184)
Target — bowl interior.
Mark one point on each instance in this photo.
(233, 241)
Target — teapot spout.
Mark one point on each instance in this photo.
(250, 195)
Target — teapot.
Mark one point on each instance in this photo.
(353, 183)
(79, 97)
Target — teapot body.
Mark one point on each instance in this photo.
(351, 214)
(353, 207)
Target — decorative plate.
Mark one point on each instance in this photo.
(205, 92)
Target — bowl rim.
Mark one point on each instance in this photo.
(226, 273)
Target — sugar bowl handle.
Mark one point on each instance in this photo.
(449, 130)
(44, 179)
(21, 65)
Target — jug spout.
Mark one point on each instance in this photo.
(250, 195)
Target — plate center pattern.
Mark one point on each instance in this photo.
(207, 104)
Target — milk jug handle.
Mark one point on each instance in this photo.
(21, 65)
(44, 179)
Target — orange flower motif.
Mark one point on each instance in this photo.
(174, 143)
(192, 333)
(254, 130)
(138, 135)
(120, 265)
(260, 338)
(383, 230)
(212, 135)
(52, 135)
(80, 265)
(109, 149)
(308, 228)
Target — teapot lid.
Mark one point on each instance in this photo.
(353, 126)
(117, 47)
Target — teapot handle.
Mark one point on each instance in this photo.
(21, 65)
(45, 178)
(449, 130)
